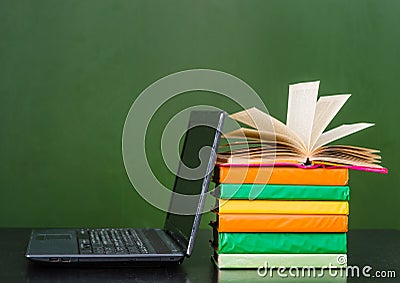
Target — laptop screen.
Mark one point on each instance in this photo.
(193, 175)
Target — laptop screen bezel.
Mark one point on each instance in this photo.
(181, 239)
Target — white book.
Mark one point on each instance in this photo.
(255, 261)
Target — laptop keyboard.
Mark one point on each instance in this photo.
(116, 241)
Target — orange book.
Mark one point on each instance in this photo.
(281, 223)
(283, 206)
(281, 175)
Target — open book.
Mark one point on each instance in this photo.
(302, 139)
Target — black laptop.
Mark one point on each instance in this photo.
(141, 246)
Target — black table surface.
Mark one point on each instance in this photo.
(379, 249)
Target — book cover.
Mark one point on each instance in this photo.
(280, 243)
(251, 276)
(283, 206)
(282, 192)
(281, 175)
(254, 261)
(234, 222)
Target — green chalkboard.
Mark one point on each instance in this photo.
(70, 70)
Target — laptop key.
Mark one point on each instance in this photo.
(112, 241)
(98, 251)
(133, 250)
(86, 251)
(141, 247)
(119, 249)
(83, 234)
(109, 251)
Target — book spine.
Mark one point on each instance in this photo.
(281, 243)
(282, 192)
(283, 207)
(282, 175)
(281, 223)
(231, 261)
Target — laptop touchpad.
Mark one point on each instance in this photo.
(57, 242)
(42, 237)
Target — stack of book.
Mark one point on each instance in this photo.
(299, 217)
(283, 197)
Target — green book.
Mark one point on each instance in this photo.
(280, 243)
(282, 192)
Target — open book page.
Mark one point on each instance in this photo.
(257, 160)
(348, 154)
(245, 118)
(326, 109)
(262, 136)
(347, 161)
(244, 133)
(340, 132)
(259, 153)
(264, 122)
(350, 147)
(301, 109)
(358, 151)
(250, 144)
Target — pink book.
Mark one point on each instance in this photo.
(381, 170)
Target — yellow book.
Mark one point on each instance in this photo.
(283, 207)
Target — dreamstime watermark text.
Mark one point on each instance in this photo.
(325, 271)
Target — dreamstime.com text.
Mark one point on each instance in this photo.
(331, 271)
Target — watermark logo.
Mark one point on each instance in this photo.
(145, 107)
(334, 271)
